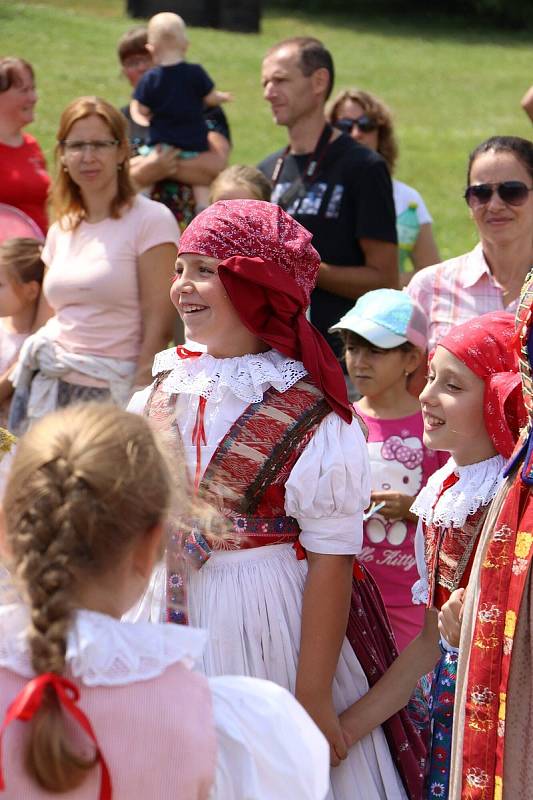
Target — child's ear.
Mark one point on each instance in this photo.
(150, 48)
(32, 290)
(413, 359)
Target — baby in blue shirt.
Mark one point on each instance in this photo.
(173, 94)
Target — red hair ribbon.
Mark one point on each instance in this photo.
(29, 701)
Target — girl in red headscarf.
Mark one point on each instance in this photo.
(264, 424)
(472, 407)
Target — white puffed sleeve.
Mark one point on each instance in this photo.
(329, 488)
(139, 400)
(268, 746)
(420, 589)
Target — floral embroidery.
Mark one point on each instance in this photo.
(523, 544)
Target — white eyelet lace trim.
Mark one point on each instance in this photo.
(247, 377)
(477, 486)
(103, 651)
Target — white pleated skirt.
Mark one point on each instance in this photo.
(250, 601)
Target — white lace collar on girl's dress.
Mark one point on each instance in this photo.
(247, 377)
(477, 486)
(103, 651)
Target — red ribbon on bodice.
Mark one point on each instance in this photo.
(30, 700)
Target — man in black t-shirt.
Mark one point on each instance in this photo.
(338, 189)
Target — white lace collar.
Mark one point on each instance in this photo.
(477, 486)
(247, 377)
(103, 651)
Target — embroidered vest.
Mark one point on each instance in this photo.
(245, 479)
(246, 476)
(449, 554)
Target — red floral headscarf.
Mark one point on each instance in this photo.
(486, 346)
(269, 268)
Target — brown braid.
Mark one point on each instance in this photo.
(85, 484)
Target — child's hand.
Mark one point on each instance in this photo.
(324, 715)
(396, 506)
(225, 97)
(451, 617)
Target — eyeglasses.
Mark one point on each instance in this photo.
(365, 124)
(98, 146)
(514, 193)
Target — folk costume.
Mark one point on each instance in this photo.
(162, 730)
(268, 440)
(492, 746)
(453, 506)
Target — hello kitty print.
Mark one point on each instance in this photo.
(399, 462)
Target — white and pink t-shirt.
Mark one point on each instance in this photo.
(92, 280)
(398, 462)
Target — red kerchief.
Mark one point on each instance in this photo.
(269, 268)
(272, 306)
(256, 229)
(485, 345)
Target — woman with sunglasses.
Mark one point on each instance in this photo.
(368, 120)
(499, 195)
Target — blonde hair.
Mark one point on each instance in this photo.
(86, 483)
(167, 29)
(249, 178)
(67, 198)
(375, 108)
(21, 257)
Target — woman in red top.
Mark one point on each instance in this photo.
(24, 181)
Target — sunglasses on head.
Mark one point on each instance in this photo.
(514, 193)
(364, 123)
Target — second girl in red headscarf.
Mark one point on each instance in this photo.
(472, 407)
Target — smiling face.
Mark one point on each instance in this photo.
(18, 102)
(93, 169)
(499, 222)
(452, 408)
(208, 314)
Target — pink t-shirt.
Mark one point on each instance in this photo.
(92, 281)
(398, 462)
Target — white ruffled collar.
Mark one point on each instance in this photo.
(477, 486)
(247, 377)
(103, 651)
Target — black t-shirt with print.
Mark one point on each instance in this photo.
(349, 199)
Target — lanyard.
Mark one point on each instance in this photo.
(314, 159)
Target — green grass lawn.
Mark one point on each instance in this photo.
(450, 85)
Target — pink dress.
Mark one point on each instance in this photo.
(165, 731)
(398, 462)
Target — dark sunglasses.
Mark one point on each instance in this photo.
(364, 123)
(514, 193)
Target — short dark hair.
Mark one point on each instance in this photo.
(10, 69)
(313, 56)
(522, 149)
(132, 43)
(351, 339)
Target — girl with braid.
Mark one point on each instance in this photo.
(93, 707)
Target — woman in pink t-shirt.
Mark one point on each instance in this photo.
(385, 341)
(109, 259)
